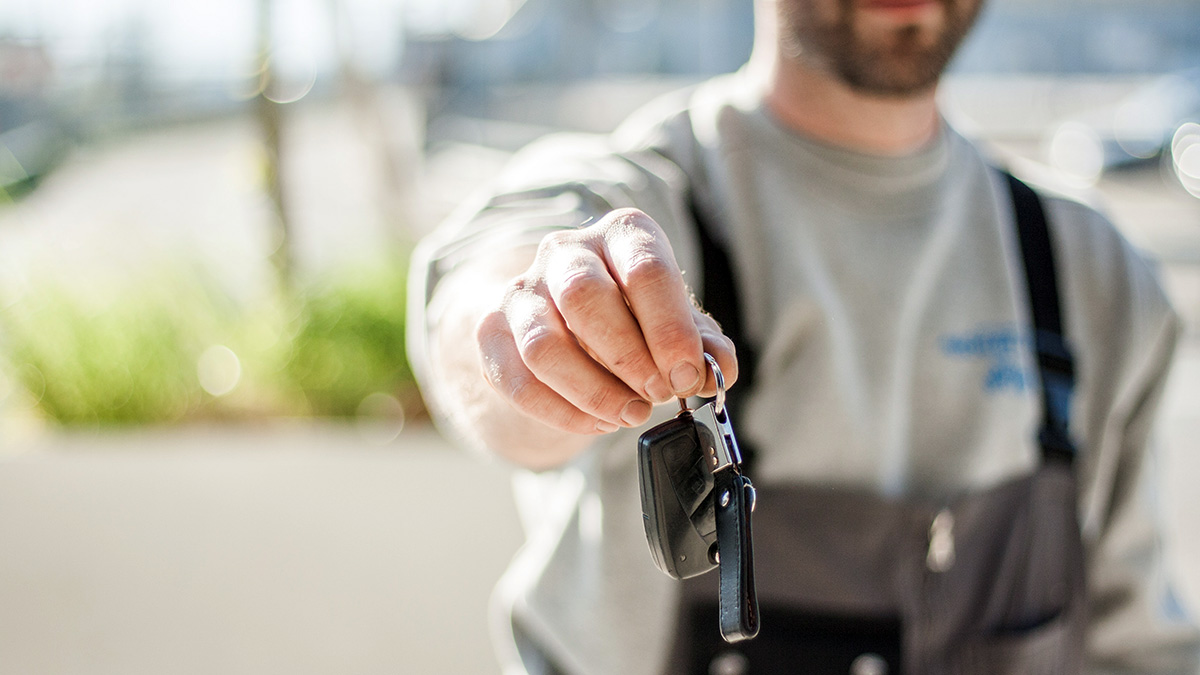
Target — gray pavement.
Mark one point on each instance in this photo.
(287, 550)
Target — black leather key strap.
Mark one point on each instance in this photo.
(738, 599)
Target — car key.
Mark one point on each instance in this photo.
(696, 506)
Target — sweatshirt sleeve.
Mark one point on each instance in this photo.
(1138, 622)
(563, 181)
(1124, 333)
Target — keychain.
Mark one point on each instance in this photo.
(696, 505)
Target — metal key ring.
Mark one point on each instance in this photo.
(719, 402)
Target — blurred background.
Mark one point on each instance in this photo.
(212, 455)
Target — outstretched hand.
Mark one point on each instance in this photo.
(600, 326)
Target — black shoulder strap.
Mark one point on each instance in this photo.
(719, 295)
(1056, 365)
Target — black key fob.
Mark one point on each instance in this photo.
(696, 506)
(677, 506)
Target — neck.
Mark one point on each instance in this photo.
(817, 104)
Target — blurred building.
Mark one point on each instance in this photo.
(520, 71)
(557, 40)
(1077, 37)
(562, 40)
(476, 72)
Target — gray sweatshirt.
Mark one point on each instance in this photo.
(886, 299)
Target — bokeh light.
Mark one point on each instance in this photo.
(473, 20)
(1185, 157)
(1077, 152)
(381, 418)
(219, 370)
(1138, 127)
(295, 86)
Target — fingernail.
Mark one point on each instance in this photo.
(635, 412)
(606, 427)
(657, 389)
(685, 378)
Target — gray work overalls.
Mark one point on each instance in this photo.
(992, 582)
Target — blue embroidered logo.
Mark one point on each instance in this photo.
(1000, 347)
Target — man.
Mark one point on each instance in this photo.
(921, 461)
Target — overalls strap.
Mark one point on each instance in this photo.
(1056, 365)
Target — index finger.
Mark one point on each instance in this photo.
(643, 264)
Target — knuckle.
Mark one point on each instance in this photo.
(633, 357)
(521, 285)
(575, 421)
(677, 336)
(523, 395)
(582, 424)
(631, 230)
(603, 403)
(716, 342)
(646, 270)
(531, 401)
(556, 239)
(557, 243)
(587, 304)
(541, 349)
(494, 372)
(705, 321)
(582, 293)
(490, 325)
(529, 398)
(631, 218)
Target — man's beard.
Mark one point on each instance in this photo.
(908, 61)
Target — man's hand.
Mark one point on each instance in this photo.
(598, 327)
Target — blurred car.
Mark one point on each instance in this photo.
(32, 138)
(28, 152)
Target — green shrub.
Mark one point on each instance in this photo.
(133, 351)
(348, 339)
(117, 353)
